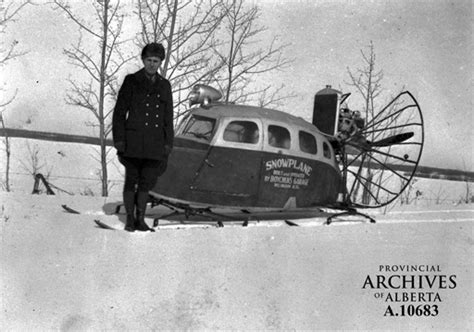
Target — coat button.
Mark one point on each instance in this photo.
(146, 123)
(157, 115)
(157, 106)
(156, 126)
(147, 104)
(146, 114)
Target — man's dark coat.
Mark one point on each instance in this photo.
(142, 123)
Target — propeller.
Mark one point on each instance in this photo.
(361, 143)
(395, 139)
(380, 156)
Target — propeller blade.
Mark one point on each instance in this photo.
(395, 139)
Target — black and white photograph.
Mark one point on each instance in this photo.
(236, 165)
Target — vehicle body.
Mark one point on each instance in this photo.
(249, 157)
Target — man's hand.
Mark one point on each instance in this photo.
(120, 146)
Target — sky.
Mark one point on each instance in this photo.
(424, 46)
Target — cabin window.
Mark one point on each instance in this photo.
(242, 132)
(326, 150)
(279, 137)
(307, 142)
(200, 127)
(182, 123)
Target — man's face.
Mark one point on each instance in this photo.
(151, 64)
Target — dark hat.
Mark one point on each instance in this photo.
(153, 49)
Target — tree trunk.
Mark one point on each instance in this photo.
(8, 153)
(103, 151)
(169, 39)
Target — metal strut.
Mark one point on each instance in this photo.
(39, 177)
(349, 212)
(346, 204)
(186, 210)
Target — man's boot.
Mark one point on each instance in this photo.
(142, 200)
(129, 203)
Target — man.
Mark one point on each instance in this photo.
(142, 128)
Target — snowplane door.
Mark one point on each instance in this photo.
(230, 173)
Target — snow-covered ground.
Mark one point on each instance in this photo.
(60, 272)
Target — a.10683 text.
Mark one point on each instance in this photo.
(412, 310)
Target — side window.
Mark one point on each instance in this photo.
(200, 127)
(307, 142)
(326, 150)
(242, 132)
(279, 137)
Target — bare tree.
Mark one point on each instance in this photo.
(7, 143)
(101, 65)
(393, 134)
(246, 58)
(218, 43)
(367, 81)
(439, 196)
(187, 29)
(33, 164)
(410, 194)
(8, 12)
(468, 197)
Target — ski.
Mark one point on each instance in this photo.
(70, 210)
(290, 223)
(117, 226)
(105, 226)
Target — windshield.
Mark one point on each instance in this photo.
(200, 127)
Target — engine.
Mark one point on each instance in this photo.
(349, 124)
